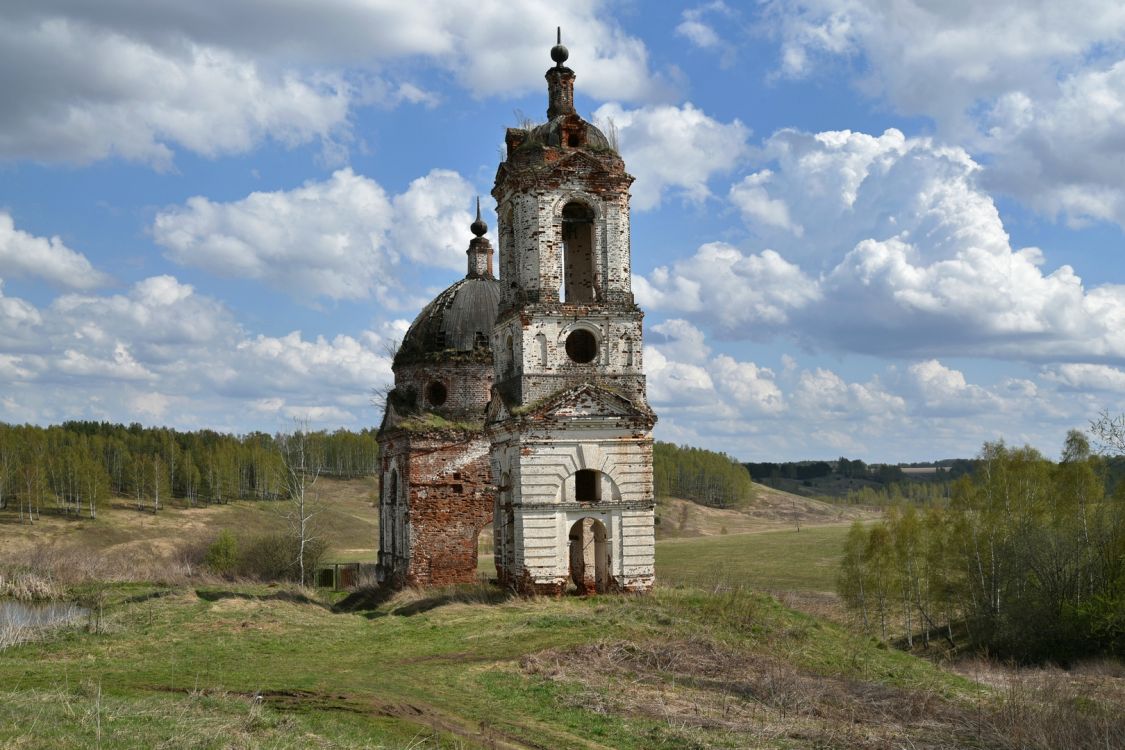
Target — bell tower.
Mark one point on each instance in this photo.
(569, 421)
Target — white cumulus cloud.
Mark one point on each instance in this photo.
(673, 149)
(1037, 86)
(141, 80)
(887, 245)
(161, 350)
(1080, 376)
(25, 255)
(338, 238)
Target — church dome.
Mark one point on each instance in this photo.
(456, 326)
(570, 130)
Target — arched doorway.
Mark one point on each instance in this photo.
(589, 556)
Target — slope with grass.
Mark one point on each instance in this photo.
(769, 509)
(255, 666)
(123, 535)
(704, 661)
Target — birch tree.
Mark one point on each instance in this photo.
(300, 455)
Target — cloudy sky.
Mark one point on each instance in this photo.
(885, 229)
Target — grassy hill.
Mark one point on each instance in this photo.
(122, 534)
(708, 660)
(253, 666)
(770, 509)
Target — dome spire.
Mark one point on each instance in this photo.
(480, 249)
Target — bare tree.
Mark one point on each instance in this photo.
(1109, 433)
(302, 470)
(382, 392)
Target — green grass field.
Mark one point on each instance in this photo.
(704, 661)
(254, 666)
(781, 560)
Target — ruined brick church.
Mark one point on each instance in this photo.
(520, 400)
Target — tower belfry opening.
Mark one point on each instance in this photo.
(579, 283)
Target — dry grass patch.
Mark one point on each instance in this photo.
(714, 695)
(707, 689)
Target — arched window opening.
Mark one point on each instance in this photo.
(510, 348)
(436, 393)
(581, 346)
(628, 352)
(587, 487)
(578, 253)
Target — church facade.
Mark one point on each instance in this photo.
(521, 401)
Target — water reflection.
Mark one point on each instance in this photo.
(15, 614)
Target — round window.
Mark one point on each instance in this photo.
(581, 346)
(436, 393)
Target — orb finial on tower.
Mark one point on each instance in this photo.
(478, 227)
(560, 82)
(559, 53)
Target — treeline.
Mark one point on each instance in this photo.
(789, 470)
(938, 489)
(1026, 561)
(72, 467)
(703, 476)
(916, 493)
(846, 468)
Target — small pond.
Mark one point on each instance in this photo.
(16, 614)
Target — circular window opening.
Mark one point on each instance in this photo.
(581, 346)
(436, 393)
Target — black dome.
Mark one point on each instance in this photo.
(456, 326)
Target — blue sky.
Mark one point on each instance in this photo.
(885, 230)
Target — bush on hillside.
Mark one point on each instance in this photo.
(222, 555)
(273, 557)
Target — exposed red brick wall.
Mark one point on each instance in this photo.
(449, 500)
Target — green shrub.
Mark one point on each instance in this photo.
(222, 555)
(273, 557)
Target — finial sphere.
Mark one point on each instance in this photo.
(478, 227)
(559, 53)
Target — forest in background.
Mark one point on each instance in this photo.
(72, 467)
(703, 476)
(853, 482)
